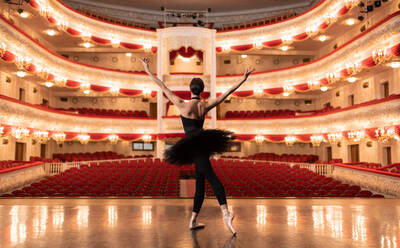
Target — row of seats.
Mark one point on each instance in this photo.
(73, 157)
(261, 22)
(108, 112)
(275, 113)
(365, 165)
(157, 178)
(114, 20)
(394, 168)
(259, 113)
(122, 179)
(294, 158)
(263, 179)
(6, 164)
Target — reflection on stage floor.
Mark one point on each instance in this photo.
(164, 223)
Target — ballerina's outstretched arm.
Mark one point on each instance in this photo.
(177, 101)
(214, 102)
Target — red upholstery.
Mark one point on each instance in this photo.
(70, 157)
(107, 112)
(6, 164)
(282, 158)
(157, 178)
(394, 168)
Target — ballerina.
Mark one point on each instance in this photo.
(199, 144)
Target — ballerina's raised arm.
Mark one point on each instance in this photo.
(214, 102)
(177, 101)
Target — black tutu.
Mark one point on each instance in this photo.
(208, 141)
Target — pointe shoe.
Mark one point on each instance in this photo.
(228, 218)
(193, 225)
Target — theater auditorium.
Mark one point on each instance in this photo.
(94, 99)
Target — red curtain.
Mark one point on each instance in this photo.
(131, 45)
(130, 137)
(162, 136)
(395, 50)
(275, 137)
(343, 10)
(323, 81)
(129, 92)
(272, 43)
(241, 48)
(100, 40)
(323, 25)
(301, 36)
(246, 93)
(186, 53)
(73, 32)
(9, 57)
(274, 91)
(99, 88)
(72, 84)
(368, 62)
(301, 87)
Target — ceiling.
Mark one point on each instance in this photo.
(216, 6)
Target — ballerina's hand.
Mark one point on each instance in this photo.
(248, 72)
(145, 62)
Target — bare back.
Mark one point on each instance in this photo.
(193, 109)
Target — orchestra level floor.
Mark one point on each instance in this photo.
(164, 223)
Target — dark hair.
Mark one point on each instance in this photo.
(196, 86)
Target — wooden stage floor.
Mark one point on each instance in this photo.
(164, 223)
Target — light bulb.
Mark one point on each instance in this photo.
(128, 54)
(350, 22)
(244, 56)
(87, 44)
(324, 88)
(21, 74)
(24, 14)
(49, 84)
(322, 38)
(284, 48)
(51, 32)
(395, 64)
(351, 79)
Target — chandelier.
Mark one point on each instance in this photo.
(384, 135)
(287, 90)
(20, 133)
(59, 137)
(113, 138)
(331, 77)
(60, 81)
(21, 62)
(290, 140)
(41, 136)
(3, 49)
(146, 93)
(83, 138)
(258, 91)
(85, 87)
(353, 68)
(333, 138)
(311, 30)
(114, 91)
(356, 136)
(259, 139)
(378, 56)
(316, 140)
(146, 138)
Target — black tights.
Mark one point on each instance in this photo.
(205, 171)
